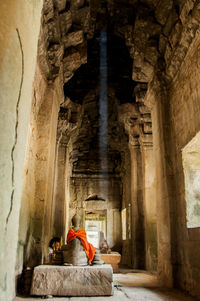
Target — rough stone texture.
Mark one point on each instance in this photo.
(125, 294)
(72, 281)
(137, 285)
(181, 115)
(153, 49)
(55, 40)
(137, 122)
(175, 118)
(113, 259)
(36, 210)
(74, 39)
(19, 30)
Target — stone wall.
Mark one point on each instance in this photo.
(175, 116)
(184, 112)
(19, 30)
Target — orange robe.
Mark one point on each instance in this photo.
(89, 248)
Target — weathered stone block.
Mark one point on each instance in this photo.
(76, 4)
(142, 70)
(175, 34)
(53, 31)
(162, 43)
(171, 21)
(65, 22)
(60, 4)
(82, 17)
(113, 259)
(162, 11)
(72, 280)
(73, 39)
(48, 10)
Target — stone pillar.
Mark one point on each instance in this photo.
(149, 196)
(126, 204)
(110, 227)
(156, 100)
(68, 172)
(59, 215)
(138, 243)
(117, 232)
(36, 219)
(49, 148)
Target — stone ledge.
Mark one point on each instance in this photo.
(54, 280)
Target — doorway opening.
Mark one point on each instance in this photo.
(95, 224)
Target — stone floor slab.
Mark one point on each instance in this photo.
(126, 294)
(137, 286)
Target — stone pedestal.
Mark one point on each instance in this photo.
(72, 280)
(113, 259)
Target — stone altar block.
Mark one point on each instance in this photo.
(56, 280)
(113, 258)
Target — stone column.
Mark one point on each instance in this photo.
(36, 220)
(110, 227)
(59, 216)
(156, 100)
(149, 196)
(138, 247)
(68, 172)
(44, 169)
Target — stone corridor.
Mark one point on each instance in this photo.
(132, 285)
(100, 117)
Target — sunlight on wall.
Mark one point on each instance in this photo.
(191, 166)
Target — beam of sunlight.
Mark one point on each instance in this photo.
(103, 112)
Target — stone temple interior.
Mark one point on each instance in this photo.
(100, 115)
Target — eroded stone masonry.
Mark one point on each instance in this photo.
(113, 133)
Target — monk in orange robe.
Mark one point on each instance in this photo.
(89, 248)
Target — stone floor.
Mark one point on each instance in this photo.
(129, 285)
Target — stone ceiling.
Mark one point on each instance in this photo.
(157, 33)
(119, 71)
(146, 39)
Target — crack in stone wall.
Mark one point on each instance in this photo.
(16, 128)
